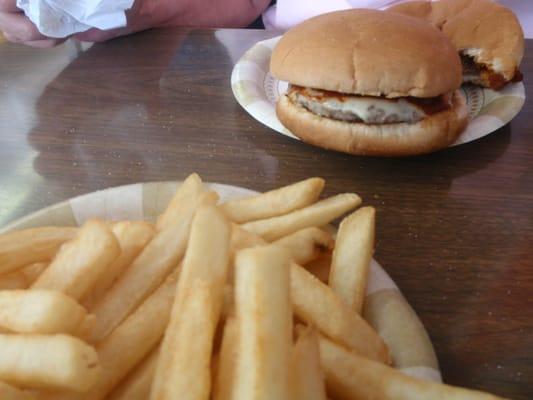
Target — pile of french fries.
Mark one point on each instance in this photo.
(214, 301)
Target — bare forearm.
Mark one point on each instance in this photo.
(144, 14)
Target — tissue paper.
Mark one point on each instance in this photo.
(62, 18)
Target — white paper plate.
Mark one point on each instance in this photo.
(385, 307)
(257, 91)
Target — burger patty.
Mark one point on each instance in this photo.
(484, 76)
(366, 109)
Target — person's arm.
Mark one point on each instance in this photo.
(17, 28)
(143, 15)
(193, 13)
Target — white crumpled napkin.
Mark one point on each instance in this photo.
(62, 18)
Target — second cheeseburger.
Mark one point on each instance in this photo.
(370, 82)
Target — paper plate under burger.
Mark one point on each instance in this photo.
(256, 89)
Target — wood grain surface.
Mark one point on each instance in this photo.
(455, 228)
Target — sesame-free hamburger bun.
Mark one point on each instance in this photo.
(370, 82)
(487, 35)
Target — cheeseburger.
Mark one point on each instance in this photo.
(487, 35)
(370, 82)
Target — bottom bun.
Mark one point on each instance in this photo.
(402, 139)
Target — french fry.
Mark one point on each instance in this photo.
(137, 384)
(352, 256)
(85, 328)
(318, 214)
(147, 271)
(307, 378)
(39, 311)
(48, 361)
(22, 278)
(274, 203)
(315, 303)
(21, 248)
(183, 203)
(33, 271)
(80, 262)
(8, 392)
(183, 370)
(307, 244)
(132, 237)
(207, 255)
(131, 341)
(350, 376)
(264, 324)
(225, 374)
(242, 239)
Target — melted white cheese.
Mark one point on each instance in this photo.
(371, 110)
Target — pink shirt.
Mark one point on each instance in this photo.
(287, 13)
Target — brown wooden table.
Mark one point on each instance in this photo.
(455, 229)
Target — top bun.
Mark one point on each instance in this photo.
(488, 32)
(368, 52)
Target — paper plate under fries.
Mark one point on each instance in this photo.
(385, 307)
(257, 91)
